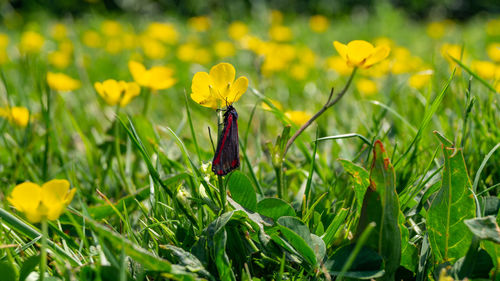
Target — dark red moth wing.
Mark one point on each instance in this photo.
(227, 154)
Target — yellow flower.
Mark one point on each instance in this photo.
(111, 28)
(155, 78)
(437, 29)
(420, 80)
(299, 71)
(339, 65)
(31, 42)
(58, 31)
(237, 30)
(360, 53)
(4, 40)
(298, 117)
(276, 17)
(164, 32)
(91, 39)
(493, 51)
(117, 92)
(452, 50)
(224, 49)
(366, 87)
(280, 33)
(276, 104)
(318, 23)
(62, 82)
(59, 59)
(199, 24)
(153, 49)
(17, 115)
(42, 202)
(4, 58)
(218, 86)
(485, 69)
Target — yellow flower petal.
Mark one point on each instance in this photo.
(222, 76)
(341, 49)
(26, 198)
(237, 89)
(54, 195)
(358, 51)
(138, 72)
(200, 88)
(379, 54)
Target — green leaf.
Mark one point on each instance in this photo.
(274, 208)
(409, 254)
(485, 228)
(299, 244)
(361, 180)
(28, 267)
(314, 242)
(381, 205)
(242, 190)
(8, 271)
(368, 264)
(334, 226)
(449, 237)
(493, 250)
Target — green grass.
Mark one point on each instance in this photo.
(367, 191)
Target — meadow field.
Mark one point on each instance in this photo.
(273, 146)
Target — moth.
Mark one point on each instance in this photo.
(227, 154)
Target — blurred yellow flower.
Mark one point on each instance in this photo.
(201, 23)
(493, 27)
(360, 53)
(91, 39)
(58, 31)
(4, 40)
(42, 202)
(117, 92)
(237, 30)
(4, 58)
(420, 80)
(307, 56)
(339, 65)
(155, 78)
(276, 104)
(280, 33)
(153, 49)
(59, 59)
(298, 117)
(452, 50)
(16, 115)
(485, 69)
(113, 45)
(218, 86)
(62, 82)
(224, 49)
(493, 51)
(31, 42)
(437, 29)
(299, 71)
(165, 32)
(111, 28)
(366, 87)
(276, 17)
(318, 23)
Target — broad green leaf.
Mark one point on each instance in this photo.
(381, 206)
(28, 267)
(449, 237)
(368, 264)
(485, 228)
(361, 180)
(8, 271)
(274, 208)
(319, 247)
(242, 190)
(493, 250)
(188, 260)
(299, 244)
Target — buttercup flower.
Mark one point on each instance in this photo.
(62, 82)
(42, 202)
(31, 42)
(117, 92)
(298, 117)
(17, 115)
(493, 51)
(200, 23)
(218, 86)
(360, 53)
(318, 23)
(485, 69)
(237, 30)
(224, 49)
(366, 87)
(420, 80)
(164, 32)
(280, 33)
(155, 78)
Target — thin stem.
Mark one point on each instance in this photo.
(279, 183)
(329, 103)
(43, 250)
(222, 191)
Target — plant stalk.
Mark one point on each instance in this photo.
(43, 250)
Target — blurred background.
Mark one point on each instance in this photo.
(230, 9)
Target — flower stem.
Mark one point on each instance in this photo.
(43, 250)
(329, 103)
(147, 98)
(222, 188)
(119, 162)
